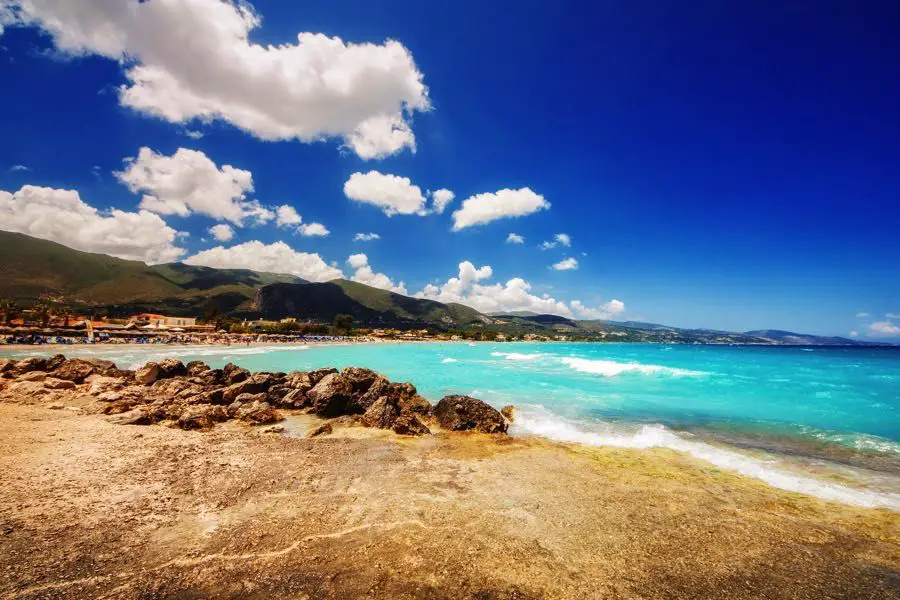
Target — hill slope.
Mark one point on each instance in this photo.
(368, 305)
(33, 268)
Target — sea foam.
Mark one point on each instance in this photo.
(518, 355)
(611, 368)
(538, 421)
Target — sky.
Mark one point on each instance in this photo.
(706, 164)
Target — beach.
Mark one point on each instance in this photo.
(92, 509)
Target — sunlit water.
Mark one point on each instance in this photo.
(820, 421)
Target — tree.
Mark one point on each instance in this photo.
(42, 312)
(342, 323)
(9, 309)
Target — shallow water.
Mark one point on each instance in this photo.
(754, 410)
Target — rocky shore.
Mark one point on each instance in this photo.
(195, 396)
(386, 501)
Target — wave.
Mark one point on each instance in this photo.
(448, 360)
(518, 355)
(611, 368)
(538, 421)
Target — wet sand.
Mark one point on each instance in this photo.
(92, 509)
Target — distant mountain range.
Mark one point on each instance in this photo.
(34, 269)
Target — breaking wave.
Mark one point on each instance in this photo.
(518, 355)
(611, 368)
(538, 421)
(448, 360)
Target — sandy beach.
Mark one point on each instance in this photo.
(93, 509)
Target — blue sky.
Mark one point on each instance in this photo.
(722, 165)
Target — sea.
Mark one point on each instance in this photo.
(820, 421)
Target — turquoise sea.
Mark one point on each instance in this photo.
(821, 421)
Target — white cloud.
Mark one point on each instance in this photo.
(62, 216)
(363, 273)
(366, 237)
(313, 230)
(440, 199)
(189, 182)
(19, 168)
(487, 207)
(606, 311)
(194, 134)
(884, 328)
(891, 316)
(394, 195)
(854, 334)
(193, 59)
(862, 315)
(270, 258)
(285, 216)
(515, 238)
(222, 232)
(567, 264)
(560, 239)
(515, 295)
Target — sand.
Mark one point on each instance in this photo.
(89, 509)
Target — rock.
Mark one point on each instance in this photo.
(331, 395)
(171, 367)
(201, 417)
(382, 414)
(195, 367)
(258, 413)
(320, 374)
(74, 369)
(119, 406)
(55, 361)
(132, 417)
(103, 367)
(26, 389)
(109, 396)
(147, 374)
(172, 388)
(508, 412)
(256, 384)
(323, 429)
(55, 406)
(209, 397)
(409, 424)
(460, 413)
(250, 398)
(58, 384)
(299, 380)
(360, 379)
(234, 374)
(102, 383)
(33, 376)
(295, 399)
(30, 364)
(6, 364)
(272, 429)
(376, 390)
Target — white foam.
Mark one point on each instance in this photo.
(448, 360)
(536, 420)
(611, 368)
(518, 355)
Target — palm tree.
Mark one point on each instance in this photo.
(42, 312)
(8, 308)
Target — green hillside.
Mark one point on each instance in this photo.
(33, 268)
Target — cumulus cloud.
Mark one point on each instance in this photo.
(862, 315)
(270, 258)
(440, 199)
(885, 328)
(189, 182)
(193, 59)
(891, 316)
(515, 238)
(62, 216)
(363, 273)
(366, 237)
(506, 203)
(313, 230)
(394, 195)
(514, 295)
(222, 232)
(560, 239)
(567, 264)
(286, 216)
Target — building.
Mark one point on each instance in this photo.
(163, 320)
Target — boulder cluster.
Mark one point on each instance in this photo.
(195, 396)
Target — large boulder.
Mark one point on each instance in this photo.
(55, 361)
(258, 413)
(26, 365)
(331, 396)
(409, 424)
(201, 417)
(53, 383)
(378, 388)
(460, 413)
(171, 367)
(132, 417)
(102, 383)
(234, 374)
(195, 367)
(381, 414)
(74, 369)
(295, 399)
(32, 376)
(320, 374)
(360, 379)
(147, 374)
(257, 384)
(6, 364)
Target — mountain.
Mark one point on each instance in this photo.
(33, 268)
(367, 305)
(800, 339)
